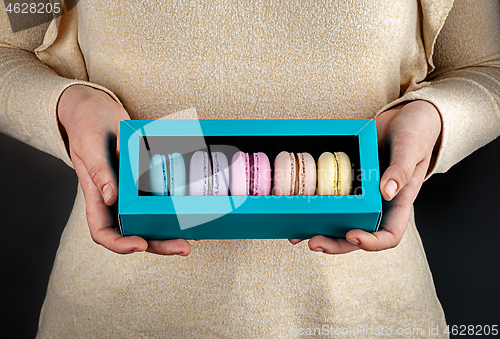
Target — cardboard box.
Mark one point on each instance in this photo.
(247, 217)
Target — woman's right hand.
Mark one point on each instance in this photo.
(91, 119)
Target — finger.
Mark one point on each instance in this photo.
(97, 152)
(295, 241)
(405, 154)
(384, 239)
(395, 218)
(100, 218)
(390, 233)
(411, 137)
(169, 247)
(320, 243)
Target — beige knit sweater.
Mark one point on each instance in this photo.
(252, 59)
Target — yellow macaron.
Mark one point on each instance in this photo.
(334, 174)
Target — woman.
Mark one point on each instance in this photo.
(427, 71)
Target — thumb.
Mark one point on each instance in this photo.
(97, 157)
(405, 154)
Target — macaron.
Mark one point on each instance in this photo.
(167, 174)
(285, 174)
(306, 174)
(220, 185)
(260, 174)
(208, 176)
(294, 174)
(334, 174)
(344, 184)
(177, 177)
(200, 174)
(240, 174)
(158, 175)
(250, 174)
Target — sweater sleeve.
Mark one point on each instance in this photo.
(465, 82)
(30, 90)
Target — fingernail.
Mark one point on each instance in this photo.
(354, 241)
(319, 249)
(107, 192)
(136, 250)
(391, 187)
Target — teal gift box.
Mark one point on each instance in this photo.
(247, 217)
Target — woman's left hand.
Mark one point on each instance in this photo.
(407, 136)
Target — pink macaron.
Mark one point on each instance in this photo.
(250, 174)
(294, 174)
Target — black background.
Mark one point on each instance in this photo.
(457, 214)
